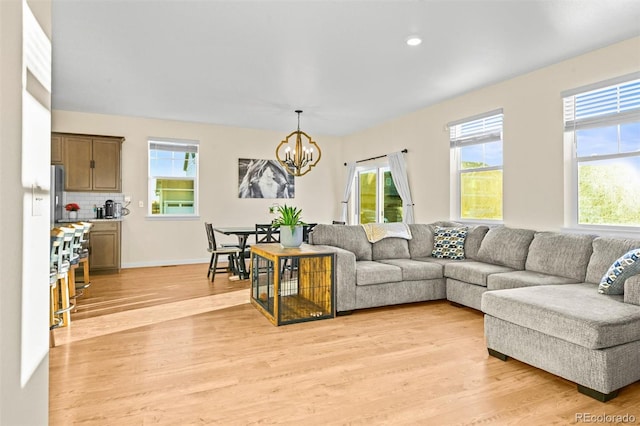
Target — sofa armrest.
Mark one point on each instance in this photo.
(345, 276)
(632, 290)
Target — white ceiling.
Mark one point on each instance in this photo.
(345, 63)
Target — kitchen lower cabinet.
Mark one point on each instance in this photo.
(104, 246)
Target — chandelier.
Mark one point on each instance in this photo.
(297, 155)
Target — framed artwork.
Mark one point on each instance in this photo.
(264, 179)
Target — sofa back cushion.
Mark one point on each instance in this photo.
(564, 255)
(348, 237)
(390, 248)
(606, 250)
(475, 235)
(506, 246)
(421, 243)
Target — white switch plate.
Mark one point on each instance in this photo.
(140, 203)
(127, 198)
(37, 203)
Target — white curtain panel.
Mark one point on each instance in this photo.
(351, 173)
(399, 174)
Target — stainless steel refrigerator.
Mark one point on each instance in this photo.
(57, 186)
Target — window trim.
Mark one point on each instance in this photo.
(196, 179)
(455, 144)
(571, 126)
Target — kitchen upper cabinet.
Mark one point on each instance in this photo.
(56, 149)
(91, 163)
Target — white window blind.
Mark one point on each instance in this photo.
(616, 104)
(475, 130)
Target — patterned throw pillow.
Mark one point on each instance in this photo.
(448, 243)
(613, 280)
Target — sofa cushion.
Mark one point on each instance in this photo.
(632, 290)
(517, 279)
(448, 243)
(576, 313)
(421, 243)
(506, 246)
(605, 251)
(473, 272)
(414, 270)
(369, 272)
(347, 237)
(390, 248)
(626, 266)
(439, 261)
(475, 235)
(564, 255)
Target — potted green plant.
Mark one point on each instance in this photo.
(290, 226)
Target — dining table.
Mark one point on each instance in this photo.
(242, 233)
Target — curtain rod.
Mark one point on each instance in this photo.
(379, 156)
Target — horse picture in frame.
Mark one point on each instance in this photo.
(264, 179)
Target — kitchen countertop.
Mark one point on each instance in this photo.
(89, 220)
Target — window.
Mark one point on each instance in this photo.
(476, 151)
(378, 199)
(602, 132)
(173, 178)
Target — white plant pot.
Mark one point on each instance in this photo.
(290, 239)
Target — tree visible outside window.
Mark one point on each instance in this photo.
(378, 198)
(173, 177)
(602, 126)
(476, 147)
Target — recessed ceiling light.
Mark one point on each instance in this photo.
(414, 40)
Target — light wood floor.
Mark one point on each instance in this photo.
(164, 346)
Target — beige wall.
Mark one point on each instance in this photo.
(533, 140)
(533, 158)
(24, 360)
(150, 241)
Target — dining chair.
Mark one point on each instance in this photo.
(265, 233)
(306, 230)
(216, 251)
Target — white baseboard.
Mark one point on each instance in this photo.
(167, 263)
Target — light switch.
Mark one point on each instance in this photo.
(140, 203)
(37, 202)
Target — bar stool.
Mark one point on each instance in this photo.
(60, 257)
(54, 319)
(82, 250)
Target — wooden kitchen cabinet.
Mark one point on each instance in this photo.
(56, 149)
(91, 163)
(104, 246)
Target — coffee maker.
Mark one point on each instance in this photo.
(108, 209)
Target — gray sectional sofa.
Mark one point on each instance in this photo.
(538, 291)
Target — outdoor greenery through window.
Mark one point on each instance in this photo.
(603, 125)
(378, 198)
(476, 146)
(173, 177)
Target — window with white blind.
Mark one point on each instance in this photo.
(602, 130)
(476, 152)
(173, 178)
